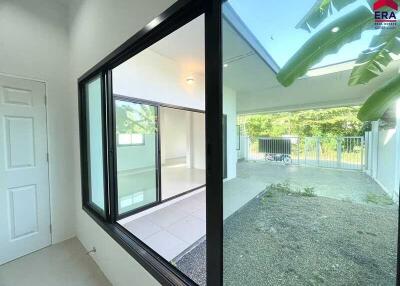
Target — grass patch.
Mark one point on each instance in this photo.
(285, 188)
(379, 199)
(308, 192)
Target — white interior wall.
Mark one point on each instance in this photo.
(173, 133)
(97, 28)
(198, 141)
(137, 157)
(39, 48)
(34, 44)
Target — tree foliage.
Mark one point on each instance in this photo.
(380, 101)
(324, 43)
(135, 118)
(371, 62)
(320, 122)
(320, 11)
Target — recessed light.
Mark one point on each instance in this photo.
(190, 80)
(335, 29)
(226, 65)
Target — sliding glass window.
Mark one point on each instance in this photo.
(93, 102)
(142, 127)
(137, 164)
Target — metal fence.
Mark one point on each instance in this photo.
(327, 152)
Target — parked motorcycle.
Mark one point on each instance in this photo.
(285, 158)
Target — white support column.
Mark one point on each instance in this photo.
(162, 135)
(370, 149)
(366, 152)
(374, 148)
(397, 155)
(189, 140)
(339, 152)
(246, 147)
(318, 147)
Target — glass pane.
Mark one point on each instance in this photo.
(182, 151)
(136, 128)
(309, 198)
(170, 75)
(95, 142)
(282, 41)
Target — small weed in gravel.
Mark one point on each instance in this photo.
(308, 192)
(379, 199)
(285, 188)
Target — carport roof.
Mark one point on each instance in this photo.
(251, 62)
(274, 27)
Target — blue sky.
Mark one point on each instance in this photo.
(273, 23)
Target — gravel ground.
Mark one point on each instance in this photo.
(296, 240)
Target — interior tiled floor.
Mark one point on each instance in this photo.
(176, 179)
(137, 189)
(63, 264)
(171, 228)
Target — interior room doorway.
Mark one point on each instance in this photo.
(160, 153)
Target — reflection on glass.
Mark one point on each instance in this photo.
(95, 139)
(136, 155)
(283, 40)
(168, 73)
(306, 201)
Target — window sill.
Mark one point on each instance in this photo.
(158, 267)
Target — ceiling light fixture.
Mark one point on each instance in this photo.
(226, 65)
(190, 80)
(335, 29)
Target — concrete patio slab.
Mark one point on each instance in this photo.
(183, 220)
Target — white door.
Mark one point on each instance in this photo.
(24, 183)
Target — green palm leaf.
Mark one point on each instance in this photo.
(324, 42)
(371, 62)
(320, 11)
(377, 104)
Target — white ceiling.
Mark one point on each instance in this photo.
(185, 46)
(255, 83)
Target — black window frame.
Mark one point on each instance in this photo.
(179, 14)
(84, 143)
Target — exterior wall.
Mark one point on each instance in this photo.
(386, 161)
(242, 153)
(229, 108)
(97, 28)
(34, 44)
(383, 158)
